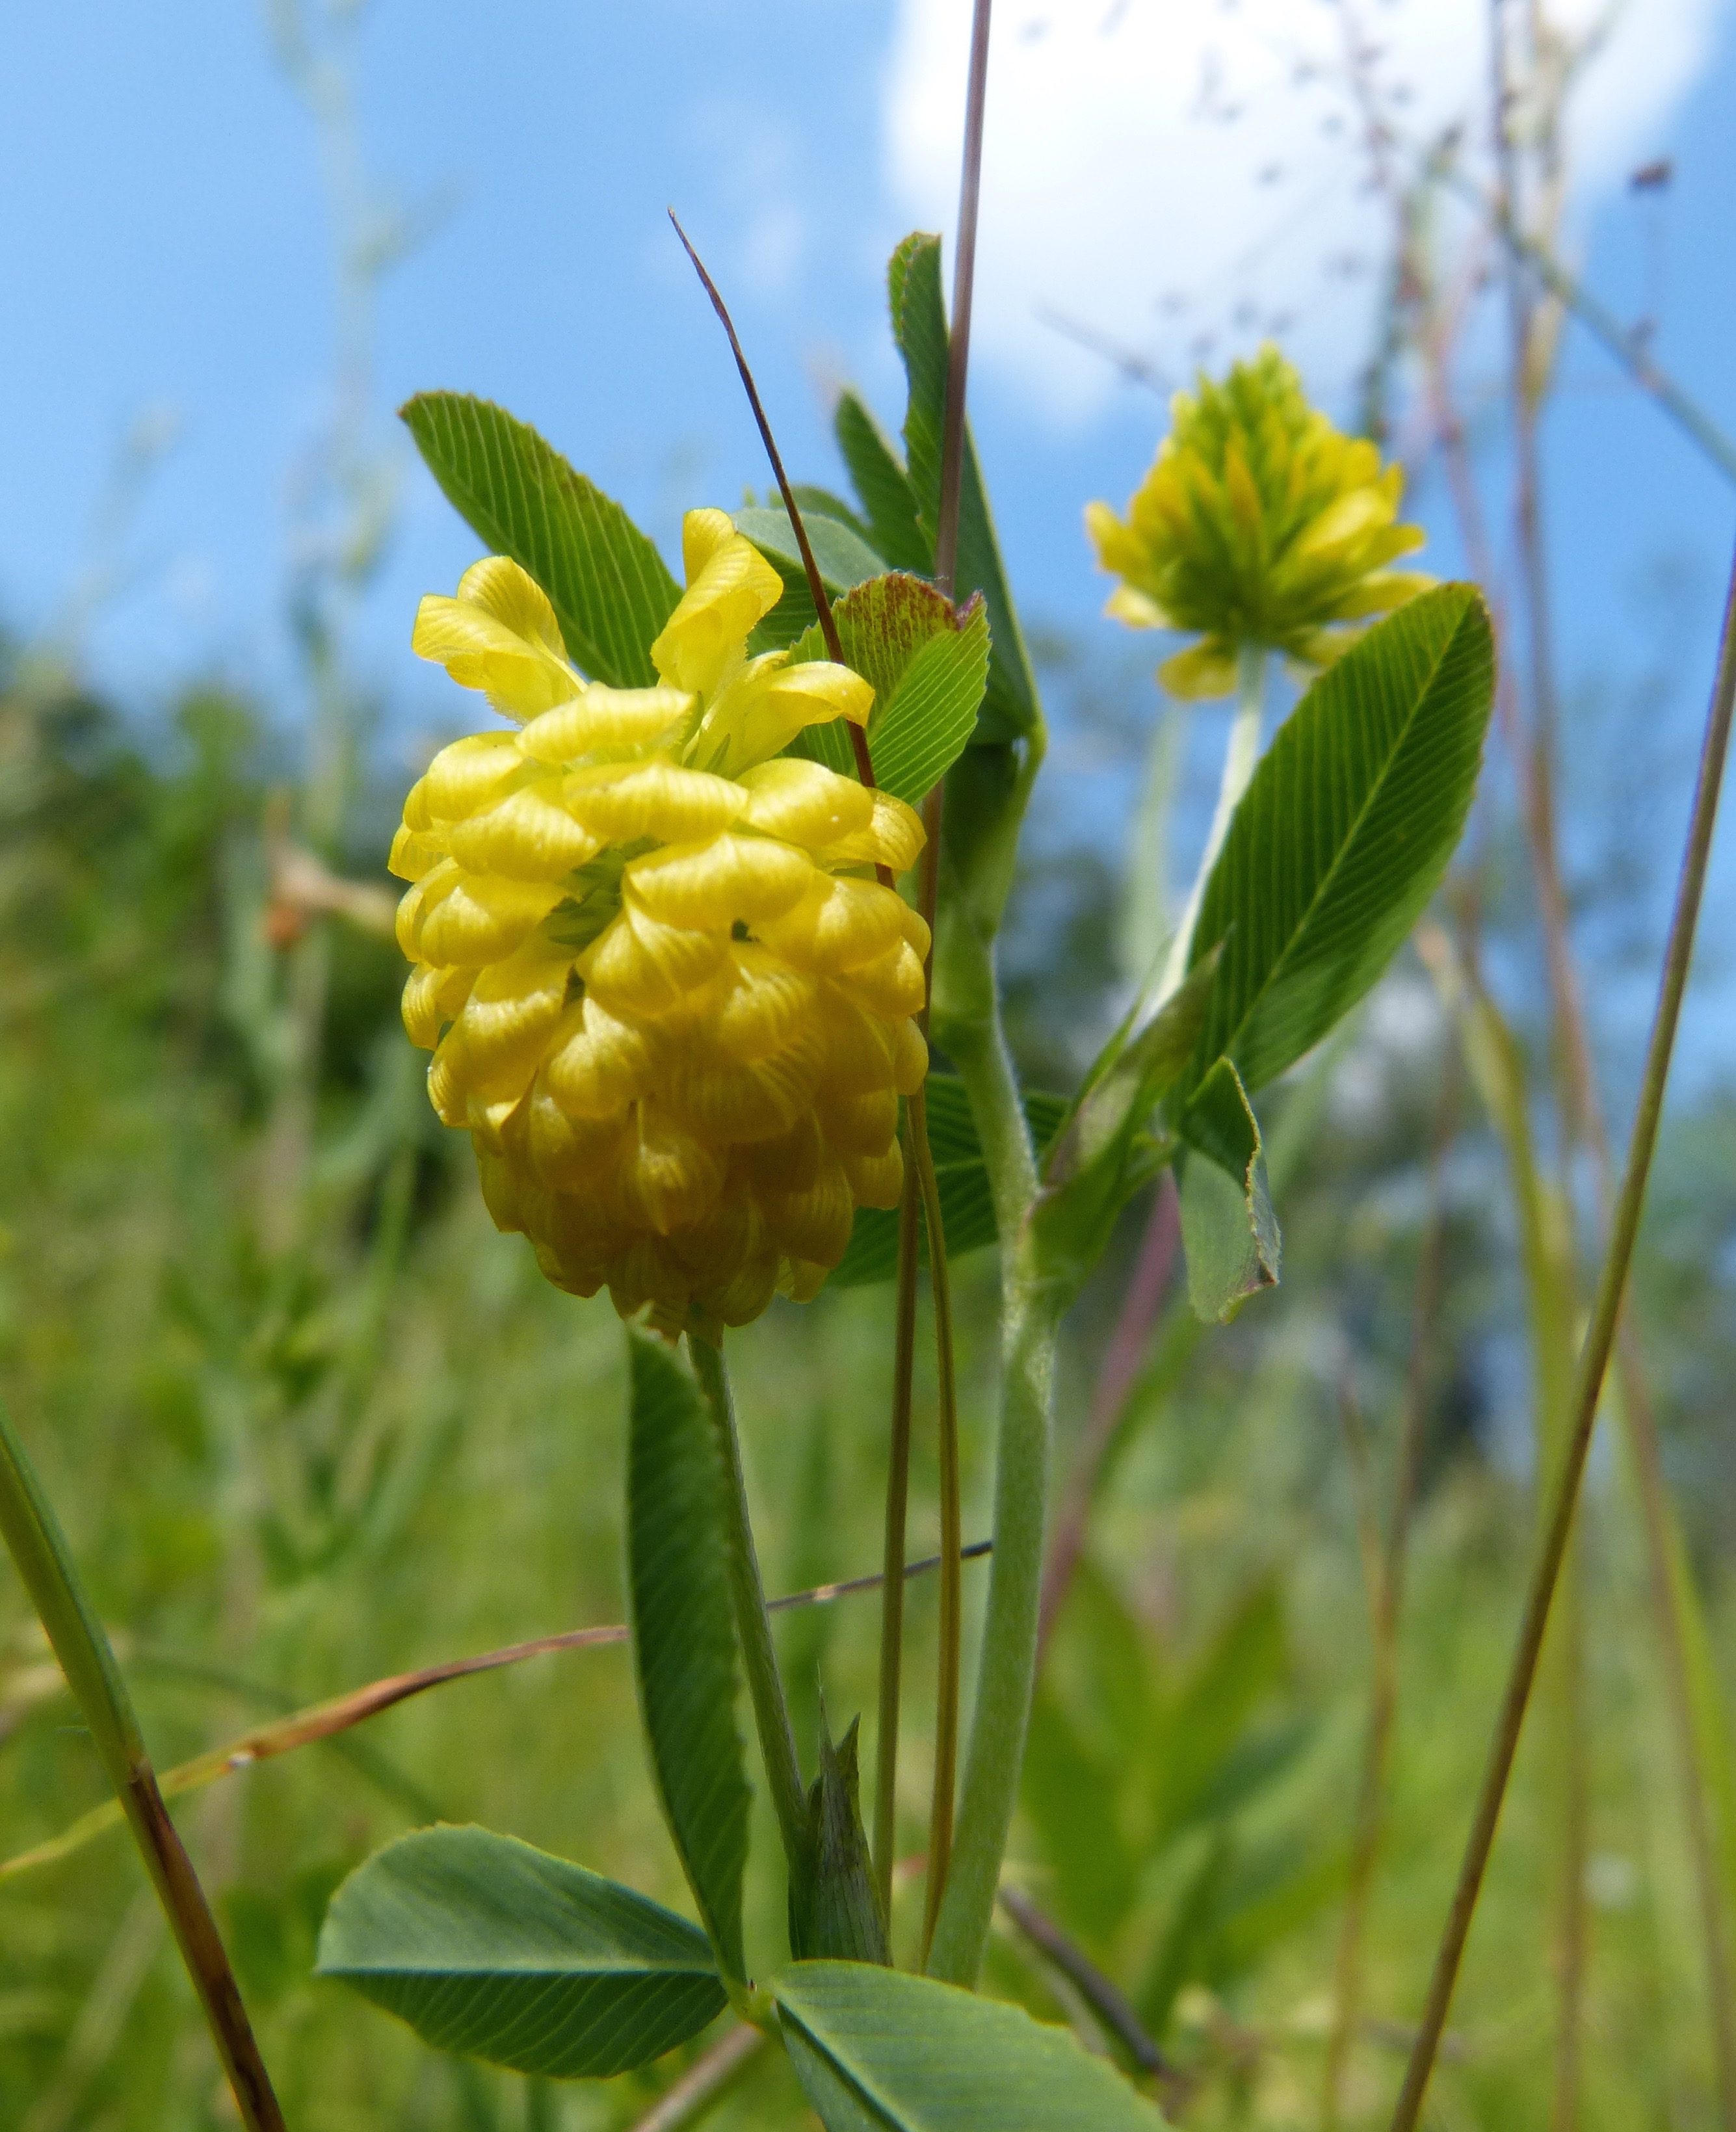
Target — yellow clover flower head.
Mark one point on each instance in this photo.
(1259, 523)
(664, 989)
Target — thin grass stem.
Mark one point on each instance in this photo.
(1594, 1360)
(32, 1533)
(898, 1497)
(705, 2082)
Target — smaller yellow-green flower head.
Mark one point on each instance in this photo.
(1259, 524)
(665, 990)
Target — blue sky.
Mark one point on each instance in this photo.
(167, 245)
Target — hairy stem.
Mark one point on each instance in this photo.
(1594, 1359)
(753, 1623)
(38, 1547)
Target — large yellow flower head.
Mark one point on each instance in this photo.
(665, 990)
(1259, 524)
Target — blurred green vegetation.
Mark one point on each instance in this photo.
(308, 1420)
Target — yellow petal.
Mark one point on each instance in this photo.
(529, 835)
(1207, 669)
(513, 598)
(909, 1058)
(1362, 510)
(1138, 610)
(416, 903)
(761, 1002)
(839, 924)
(604, 717)
(640, 965)
(790, 1162)
(768, 703)
(891, 986)
(862, 1051)
(483, 918)
(503, 1032)
(462, 776)
(876, 1181)
(499, 636)
(415, 853)
(621, 803)
(805, 803)
(730, 586)
(892, 838)
(432, 998)
(815, 1223)
(667, 1178)
(724, 1104)
(728, 879)
(574, 1155)
(861, 1125)
(598, 1063)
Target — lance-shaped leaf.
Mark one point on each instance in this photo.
(683, 1637)
(1109, 1145)
(928, 663)
(496, 1951)
(1344, 834)
(1010, 707)
(878, 2051)
(966, 1202)
(888, 501)
(609, 588)
(840, 554)
(1229, 1231)
(836, 1912)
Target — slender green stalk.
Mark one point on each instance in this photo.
(753, 1623)
(1007, 1667)
(1594, 1359)
(1239, 758)
(897, 1498)
(33, 1534)
(951, 1541)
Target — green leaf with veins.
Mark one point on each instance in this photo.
(879, 2051)
(1344, 834)
(1010, 707)
(496, 1951)
(609, 588)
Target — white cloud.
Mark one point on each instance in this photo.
(1182, 176)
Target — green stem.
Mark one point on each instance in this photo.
(952, 1536)
(45, 1563)
(897, 1498)
(753, 1624)
(1594, 1360)
(1007, 1668)
(1239, 758)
